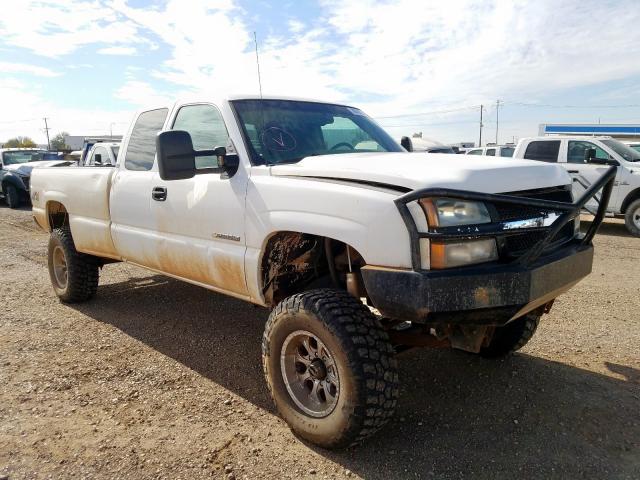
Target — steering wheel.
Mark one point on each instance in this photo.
(342, 144)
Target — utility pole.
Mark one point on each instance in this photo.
(46, 129)
(480, 140)
(497, 119)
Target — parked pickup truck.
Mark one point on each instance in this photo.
(360, 248)
(586, 158)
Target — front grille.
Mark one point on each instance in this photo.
(518, 243)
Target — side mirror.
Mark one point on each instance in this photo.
(177, 158)
(97, 159)
(589, 154)
(406, 144)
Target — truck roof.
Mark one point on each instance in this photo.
(570, 137)
(232, 97)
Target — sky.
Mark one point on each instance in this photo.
(416, 66)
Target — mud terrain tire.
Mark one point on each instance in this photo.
(74, 275)
(358, 349)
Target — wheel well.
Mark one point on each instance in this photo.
(631, 197)
(57, 215)
(293, 262)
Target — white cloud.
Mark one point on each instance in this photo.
(117, 51)
(53, 28)
(392, 57)
(8, 68)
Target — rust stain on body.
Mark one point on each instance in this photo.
(219, 272)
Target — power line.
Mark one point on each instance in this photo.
(549, 105)
(435, 112)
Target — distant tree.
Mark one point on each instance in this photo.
(20, 142)
(57, 142)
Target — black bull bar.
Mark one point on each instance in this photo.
(499, 228)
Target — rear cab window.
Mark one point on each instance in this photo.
(491, 152)
(543, 150)
(141, 150)
(507, 151)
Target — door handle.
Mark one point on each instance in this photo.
(573, 171)
(159, 194)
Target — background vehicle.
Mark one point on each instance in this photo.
(15, 172)
(492, 151)
(102, 154)
(419, 144)
(586, 158)
(312, 210)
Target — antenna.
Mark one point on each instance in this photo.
(255, 40)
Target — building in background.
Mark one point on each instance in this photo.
(625, 132)
(77, 142)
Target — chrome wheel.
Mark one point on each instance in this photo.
(310, 373)
(635, 217)
(60, 271)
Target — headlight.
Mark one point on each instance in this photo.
(449, 212)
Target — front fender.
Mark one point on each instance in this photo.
(11, 178)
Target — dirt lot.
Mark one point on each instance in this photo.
(159, 379)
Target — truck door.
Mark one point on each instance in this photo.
(583, 173)
(132, 228)
(200, 221)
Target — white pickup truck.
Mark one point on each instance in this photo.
(359, 248)
(586, 158)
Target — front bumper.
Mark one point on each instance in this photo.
(492, 293)
(486, 294)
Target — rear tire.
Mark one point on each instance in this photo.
(12, 195)
(632, 218)
(511, 337)
(74, 275)
(329, 332)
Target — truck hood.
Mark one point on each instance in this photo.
(25, 168)
(425, 170)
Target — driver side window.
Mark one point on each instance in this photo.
(576, 151)
(206, 127)
(344, 135)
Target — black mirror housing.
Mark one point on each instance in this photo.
(406, 144)
(176, 157)
(603, 161)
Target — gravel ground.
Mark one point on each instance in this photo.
(159, 379)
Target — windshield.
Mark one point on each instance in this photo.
(20, 156)
(626, 152)
(285, 131)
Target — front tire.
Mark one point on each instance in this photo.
(632, 218)
(512, 337)
(329, 367)
(12, 196)
(74, 275)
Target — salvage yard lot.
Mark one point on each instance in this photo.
(156, 378)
